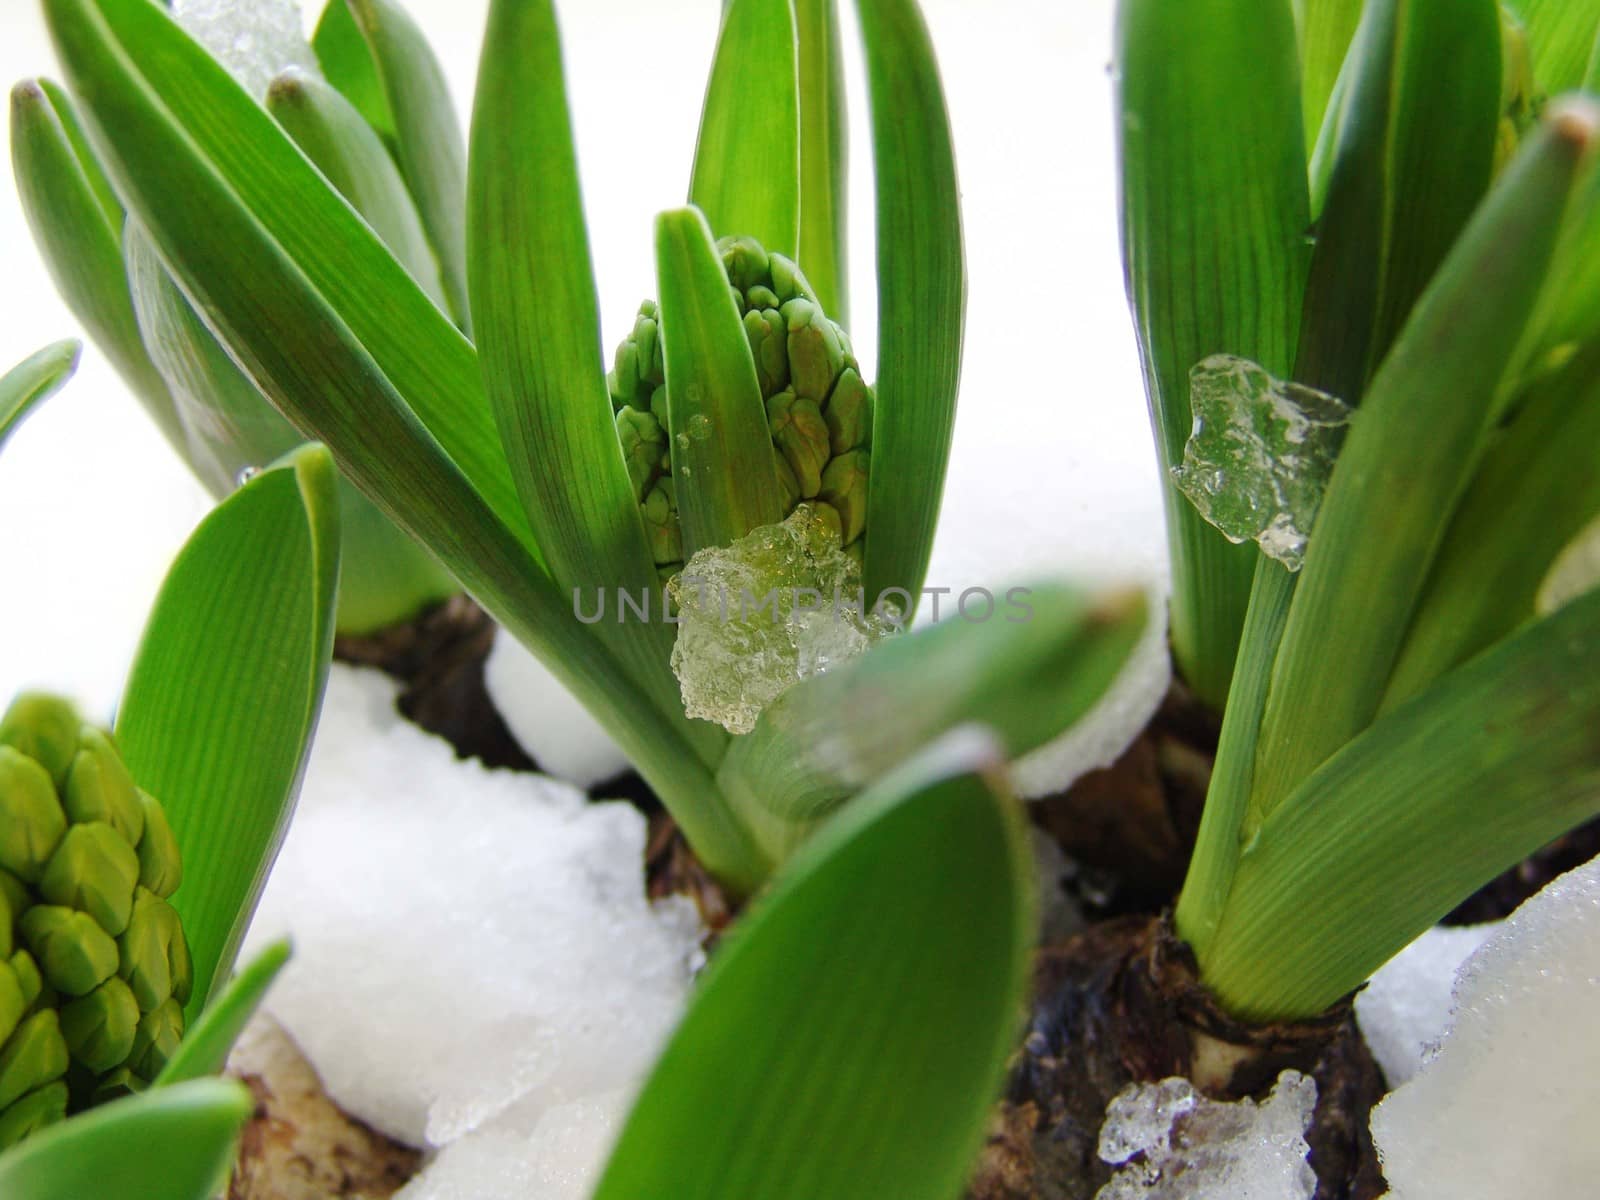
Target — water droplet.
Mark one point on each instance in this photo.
(700, 427)
(246, 475)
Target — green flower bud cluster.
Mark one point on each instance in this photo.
(94, 968)
(819, 409)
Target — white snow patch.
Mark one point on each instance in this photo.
(466, 940)
(255, 40)
(553, 1152)
(557, 732)
(1179, 1145)
(1405, 1010)
(1506, 1107)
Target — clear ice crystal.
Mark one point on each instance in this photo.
(1260, 454)
(777, 606)
(1172, 1143)
(256, 40)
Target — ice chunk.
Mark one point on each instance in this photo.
(1405, 1010)
(1506, 1107)
(1175, 1144)
(1575, 571)
(466, 940)
(557, 732)
(1260, 454)
(257, 40)
(777, 606)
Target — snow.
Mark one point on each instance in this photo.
(1506, 1107)
(1260, 454)
(256, 41)
(556, 731)
(755, 617)
(466, 940)
(1179, 1145)
(1404, 1011)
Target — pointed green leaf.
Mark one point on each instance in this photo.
(234, 206)
(832, 1016)
(1561, 33)
(723, 466)
(1430, 803)
(224, 693)
(171, 1144)
(1029, 671)
(1538, 487)
(922, 294)
(33, 381)
(1215, 209)
(231, 428)
(344, 147)
(747, 162)
(1327, 28)
(64, 197)
(1413, 155)
(427, 136)
(347, 64)
(205, 1047)
(539, 334)
(1409, 454)
(824, 156)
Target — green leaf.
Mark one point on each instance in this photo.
(1412, 149)
(1215, 209)
(1412, 450)
(824, 156)
(832, 1019)
(171, 1144)
(344, 147)
(225, 690)
(33, 381)
(1413, 156)
(723, 465)
(1030, 671)
(427, 136)
(64, 197)
(1538, 487)
(334, 332)
(747, 162)
(347, 64)
(539, 334)
(1561, 33)
(235, 208)
(204, 1048)
(922, 294)
(1430, 803)
(231, 428)
(1327, 27)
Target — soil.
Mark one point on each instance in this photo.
(299, 1145)
(1120, 1003)
(439, 659)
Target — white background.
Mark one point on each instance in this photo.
(1053, 468)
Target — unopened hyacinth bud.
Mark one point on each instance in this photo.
(818, 407)
(94, 968)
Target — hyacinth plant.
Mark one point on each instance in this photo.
(1412, 706)
(120, 913)
(736, 395)
(107, 273)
